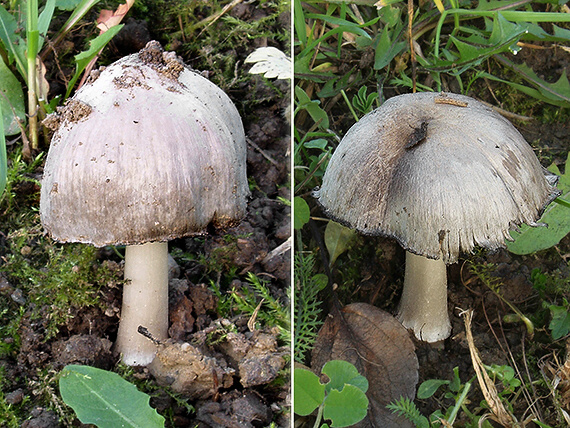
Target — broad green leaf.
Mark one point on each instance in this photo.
(95, 46)
(556, 216)
(387, 48)
(337, 239)
(106, 399)
(309, 392)
(533, 239)
(14, 45)
(430, 387)
(312, 107)
(319, 143)
(301, 212)
(390, 15)
(346, 407)
(560, 323)
(320, 280)
(342, 373)
(11, 100)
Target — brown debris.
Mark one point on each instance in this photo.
(188, 371)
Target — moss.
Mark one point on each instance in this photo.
(55, 278)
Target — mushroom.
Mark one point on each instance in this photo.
(440, 173)
(147, 152)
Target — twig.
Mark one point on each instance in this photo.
(213, 18)
(508, 114)
(260, 150)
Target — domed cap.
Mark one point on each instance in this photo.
(149, 151)
(440, 173)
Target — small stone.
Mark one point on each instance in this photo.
(14, 397)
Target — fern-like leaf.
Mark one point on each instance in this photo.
(407, 408)
(307, 304)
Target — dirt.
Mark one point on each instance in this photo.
(246, 393)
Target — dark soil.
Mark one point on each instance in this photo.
(220, 260)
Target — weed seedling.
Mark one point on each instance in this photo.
(342, 400)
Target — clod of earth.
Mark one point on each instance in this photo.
(199, 370)
(187, 370)
(440, 173)
(235, 410)
(155, 152)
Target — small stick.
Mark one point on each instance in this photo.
(260, 150)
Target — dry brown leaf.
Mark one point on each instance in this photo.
(108, 18)
(499, 413)
(382, 351)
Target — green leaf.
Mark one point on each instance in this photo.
(557, 93)
(343, 373)
(343, 24)
(533, 239)
(301, 212)
(106, 399)
(312, 107)
(95, 46)
(387, 48)
(13, 43)
(556, 216)
(560, 323)
(45, 19)
(3, 157)
(309, 392)
(319, 143)
(430, 387)
(11, 100)
(67, 4)
(346, 407)
(337, 239)
(475, 49)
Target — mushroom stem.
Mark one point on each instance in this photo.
(423, 307)
(145, 302)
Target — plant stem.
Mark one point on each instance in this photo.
(319, 417)
(459, 403)
(349, 104)
(32, 37)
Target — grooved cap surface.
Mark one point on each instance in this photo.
(440, 173)
(149, 151)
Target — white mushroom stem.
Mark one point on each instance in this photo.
(423, 307)
(145, 302)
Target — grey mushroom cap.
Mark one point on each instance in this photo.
(440, 173)
(149, 151)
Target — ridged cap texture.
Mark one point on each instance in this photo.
(440, 173)
(149, 151)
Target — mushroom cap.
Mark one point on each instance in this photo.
(149, 151)
(440, 173)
